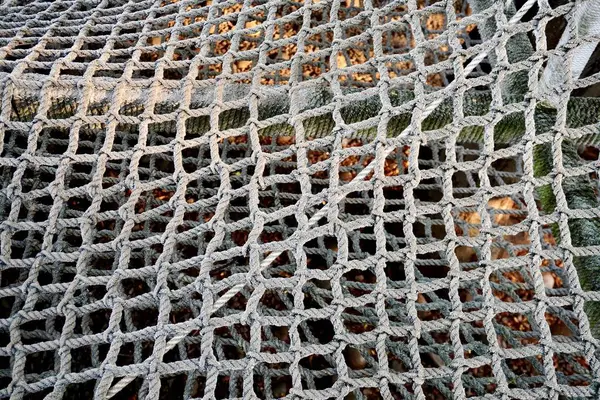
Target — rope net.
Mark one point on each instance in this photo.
(322, 199)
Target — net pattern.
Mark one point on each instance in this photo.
(156, 243)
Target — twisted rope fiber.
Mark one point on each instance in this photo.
(313, 221)
(118, 243)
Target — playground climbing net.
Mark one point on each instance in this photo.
(352, 199)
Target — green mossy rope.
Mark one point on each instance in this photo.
(509, 130)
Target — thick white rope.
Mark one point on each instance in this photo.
(587, 22)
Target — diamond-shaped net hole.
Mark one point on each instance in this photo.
(272, 380)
